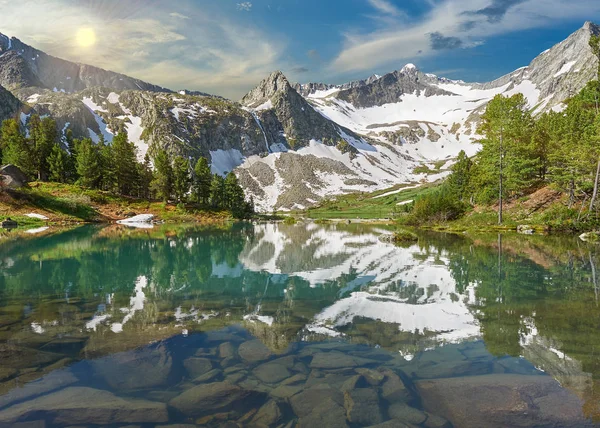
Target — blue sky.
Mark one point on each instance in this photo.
(227, 46)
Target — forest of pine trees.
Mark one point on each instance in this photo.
(114, 167)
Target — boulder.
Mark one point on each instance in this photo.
(12, 177)
(254, 351)
(141, 369)
(50, 382)
(393, 389)
(362, 407)
(197, 367)
(501, 400)
(267, 416)
(82, 406)
(216, 397)
(405, 413)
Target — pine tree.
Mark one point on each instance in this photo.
(70, 143)
(162, 184)
(43, 136)
(145, 177)
(234, 196)
(88, 164)
(108, 166)
(58, 164)
(202, 181)
(15, 149)
(217, 192)
(459, 182)
(506, 163)
(181, 178)
(124, 159)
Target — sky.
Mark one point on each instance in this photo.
(226, 47)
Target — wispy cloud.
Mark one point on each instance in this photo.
(448, 24)
(245, 6)
(178, 15)
(385, 7)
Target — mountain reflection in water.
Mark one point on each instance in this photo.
(475, 316)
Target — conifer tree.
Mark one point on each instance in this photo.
(124, 159)
(181, 178)
(88, 164)
(15, 149)
(43, 136)
(145, 177)
(58, 164)
(217, 192)
(162, 184)
(202, 181)
(234, 195)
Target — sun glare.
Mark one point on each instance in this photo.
(86, 37)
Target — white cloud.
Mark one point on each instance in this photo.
(178, 15)
(245, 6)
(397, 41)
(386, 7)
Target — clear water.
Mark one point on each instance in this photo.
(297, 325)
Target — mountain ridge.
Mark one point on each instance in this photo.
(293, 145)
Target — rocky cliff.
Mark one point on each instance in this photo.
(9, 105)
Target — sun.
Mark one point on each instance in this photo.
(86, 37)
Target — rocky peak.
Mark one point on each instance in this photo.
(5, 43)
(409, 69)
(275, 83)
(591, 27)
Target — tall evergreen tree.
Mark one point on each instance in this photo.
(459, 182)
(162, 184)
(202, 181)
(58, 164)
(234, 195)
(15, 149)
(145, 177)
(88, 164)
(181, 178)
(506, 161)
(217, 192)
(43, 136)
(124, 159)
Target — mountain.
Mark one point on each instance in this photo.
(409, 106)
(24, 66)
(292, 145)
(9, 104)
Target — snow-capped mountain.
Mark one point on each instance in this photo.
(404, 119)
(291, 145)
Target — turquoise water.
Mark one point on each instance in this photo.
(296, 325)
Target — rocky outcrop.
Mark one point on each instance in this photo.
(9, 105)
(285, 113)
(389, 88)
(12, 177)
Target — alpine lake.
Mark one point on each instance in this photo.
(305, 325)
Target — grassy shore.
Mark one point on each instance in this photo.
(66, 204)
(542, 209)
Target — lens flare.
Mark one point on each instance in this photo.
(86, 37)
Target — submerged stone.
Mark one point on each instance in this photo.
(362, 406)
(214, 397)
(254, 351)
(82, 405)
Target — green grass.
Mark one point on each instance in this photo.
(367, 205)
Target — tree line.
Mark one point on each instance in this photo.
(521, 153)
(114, 167)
